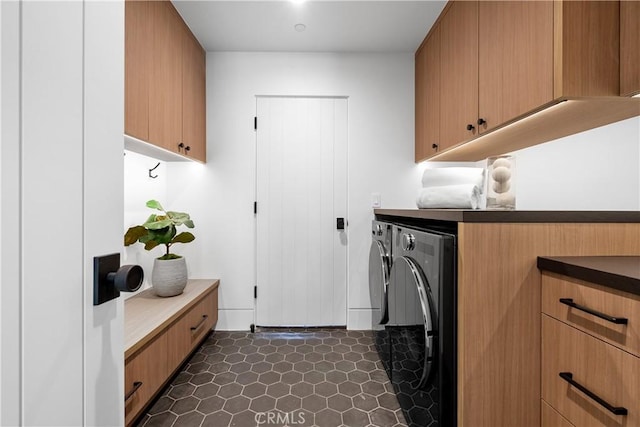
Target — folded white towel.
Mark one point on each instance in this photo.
(439, 177)
(462, 196)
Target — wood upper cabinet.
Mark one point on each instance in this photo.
(137, 62)
(502, 61)
(165, 96)
(515, 51)
(427, 77)
(193, 97)
(629, 47)
(459, 73)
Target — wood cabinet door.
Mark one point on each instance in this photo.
(428, 96)
(459, 73)
(137, 57)
(629, 47)
(515, 51)
(193, 97)
(165, 90)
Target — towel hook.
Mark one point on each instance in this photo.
(152, 169)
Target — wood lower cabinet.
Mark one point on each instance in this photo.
(598, 371)
(629, 47)
(160, 333)
(165, 79)
(551, 417)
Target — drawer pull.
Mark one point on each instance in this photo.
(204, 317)
(616, 320)
(617, 410)
(136, 386)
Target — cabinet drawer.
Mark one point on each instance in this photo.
(609, 373)
(184, 335)
(148, 367)
(604, 300)
(551, 417)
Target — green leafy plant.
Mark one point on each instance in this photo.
(160, 229)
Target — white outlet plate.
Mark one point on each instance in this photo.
(376, 200)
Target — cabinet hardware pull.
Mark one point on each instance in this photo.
(187, 148)
(481, 121)
(616, 320)
(617, 410)
(136, 386)
(180, 146)
(434, 146)
(470, 127)
(204, 317)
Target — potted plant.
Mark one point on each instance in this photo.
(169, 275)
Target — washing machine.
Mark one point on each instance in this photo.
(380, 261)
(421, 325)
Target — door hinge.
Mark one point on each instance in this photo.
(255, 291)
(255, 207)
(255, 123)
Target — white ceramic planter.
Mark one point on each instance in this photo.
(169, 276)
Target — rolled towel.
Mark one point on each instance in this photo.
(439, 177)
(462, 196)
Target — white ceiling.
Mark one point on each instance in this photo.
(331, 26)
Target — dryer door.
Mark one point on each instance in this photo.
(378, 280)
(412, 314)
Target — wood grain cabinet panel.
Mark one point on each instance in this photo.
(427, 76)
(459, 73)
(150, 368)
(551, 417)
(137, 63)
(629, 47)
(594, 297)
(193, 97)
(165, 94)
(611, 374)
(515, 51)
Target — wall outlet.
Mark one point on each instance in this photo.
(376, 200)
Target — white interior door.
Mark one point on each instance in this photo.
(62, 359)
(301, 191)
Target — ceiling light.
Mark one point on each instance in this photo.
(300, 27)
(297, 1)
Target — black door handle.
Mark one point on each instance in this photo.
(339, 223)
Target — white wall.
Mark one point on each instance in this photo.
(593, 170)
(220, 194)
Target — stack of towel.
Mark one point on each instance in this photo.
(451, 188)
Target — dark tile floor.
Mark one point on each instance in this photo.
(316, 377)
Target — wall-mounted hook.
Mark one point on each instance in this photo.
(152, 169)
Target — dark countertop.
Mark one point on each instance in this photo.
(617, 272)
(467, 215)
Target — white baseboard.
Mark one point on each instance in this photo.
(234, 320)
(360, 319)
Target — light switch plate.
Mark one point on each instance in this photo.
(376, 200)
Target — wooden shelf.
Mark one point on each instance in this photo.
(553, 121)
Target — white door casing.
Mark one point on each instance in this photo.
(61, 358)
(301, 191)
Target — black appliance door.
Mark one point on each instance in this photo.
(413, 336)
(378, 281)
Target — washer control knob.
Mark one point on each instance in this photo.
(408, 242)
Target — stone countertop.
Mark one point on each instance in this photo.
(617, 272)
(510, 216)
